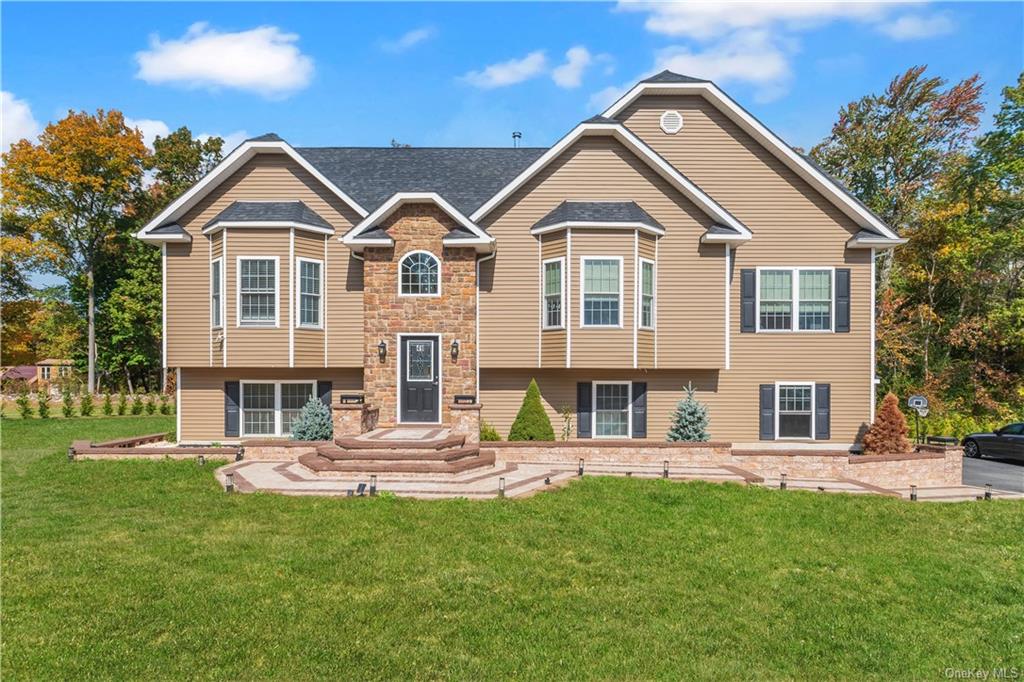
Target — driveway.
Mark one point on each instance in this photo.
(1002, 474)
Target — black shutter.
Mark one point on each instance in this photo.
(583, 390)
(843, 300)
(323, 389)
(822, 408)
(767, 412)
(232, 398)
(639, 409)
(748, 292)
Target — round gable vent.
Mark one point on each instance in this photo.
(671, 122)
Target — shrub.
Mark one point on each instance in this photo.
(137, 404)
(24, 404)
(108, 406)
(43, 403)
(888, 434)
(532, 422)
(568, 412)
(165, 407)
(690, 420)
(122, 404)
(85, 405)
(314, 422)
(67, 407)
(150, 404)
(488, 433)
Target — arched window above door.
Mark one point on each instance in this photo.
(419, 274)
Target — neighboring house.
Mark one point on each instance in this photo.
(672, 239)
(51, 369)
(11, 376)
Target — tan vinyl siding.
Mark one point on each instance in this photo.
(258, 346)
(267, 177)
(202, 394)
(600, 346)
(309, 343)
(553, 340)
(595, 169)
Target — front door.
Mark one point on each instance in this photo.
(419, 381)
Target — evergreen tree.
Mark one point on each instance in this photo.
(314, 422)
(24, 405)
(68, 403)
(532, 422)
(85, 404)
(690, 420)
(108, 407)
(43, 403)
(888, 434)
(122, 404)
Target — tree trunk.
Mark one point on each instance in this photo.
(91, 284)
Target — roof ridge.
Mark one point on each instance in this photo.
(400, 149)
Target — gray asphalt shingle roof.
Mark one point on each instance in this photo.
(465, 176)
(667, 76)
(260, 211)
(598, 212)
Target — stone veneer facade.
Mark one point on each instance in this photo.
(418, 227)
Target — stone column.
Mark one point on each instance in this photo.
(352, 419)
(466, 421)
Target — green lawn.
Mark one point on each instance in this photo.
(149, 570)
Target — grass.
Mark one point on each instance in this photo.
(149, 570)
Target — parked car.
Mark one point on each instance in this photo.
(1004, 443)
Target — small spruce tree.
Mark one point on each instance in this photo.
(137, 406)
(314, 422)
(690, 420)
(24, 404)
(165, 407)
(43, 403)
(67, 407)
(108, 406)
(888, 434)
(150, 404)
(122, 404)
(85, 404)
(532, 422)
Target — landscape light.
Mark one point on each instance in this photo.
(229, 482)
(201, 460)
(373, 485)
(913, 493)
(664, 469)
(580, 470)
(501, 487)
(782, 481)
(988, 491)
(547, 480)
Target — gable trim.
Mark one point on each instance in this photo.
(554, 227)
(285, 224)
(852, 207)
(632, 142)
(399, 199)
(235, 160)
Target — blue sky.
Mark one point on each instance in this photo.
(469, 74)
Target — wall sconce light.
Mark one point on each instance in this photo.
(382, 350)
(455, 349)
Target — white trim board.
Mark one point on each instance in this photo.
(277, 293)
(772, 142)
(583, 293)
(235, 160)
(643, 227)
(399, 199)
(267, 224)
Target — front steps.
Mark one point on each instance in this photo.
(443, 455)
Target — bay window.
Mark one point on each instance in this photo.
(216, 293)
(257, 291)
(554, 290)
(309, 287)
(602, 291)
(646, 294)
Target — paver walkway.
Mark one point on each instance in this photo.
(523, 479)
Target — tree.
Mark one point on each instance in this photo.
(888, 434)
(690, 420)
(532, 421)
(314, 422)
(71, 188)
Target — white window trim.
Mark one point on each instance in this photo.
(299, 260)
(593, 409)
(278, 421)
(44, 372)
(238, 293)
(544, 295)
(794, 322)
(223, 308)
(640, 294)
(399, 273)
(778, 385)
(583, 293)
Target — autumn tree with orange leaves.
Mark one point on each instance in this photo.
(68, 191)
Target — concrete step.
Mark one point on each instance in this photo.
(339, 454)
(324, 467)
(386, 444)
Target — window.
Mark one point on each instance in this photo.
(791, 299)
(63, 371)
(602, 292)
(270, 408)
(257, 291)
(612, 410)
(795, 410)
(309, 289)
(646, 294)
(419, 275)
(216, 310)
(44, 372)
(553, 291)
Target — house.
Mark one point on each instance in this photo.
(671, 239)
(19, 376)
(52, 368)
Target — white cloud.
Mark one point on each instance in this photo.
(409, 39)
(150, 129)
(16, 120)
(508, 73)
(264, 60)
(750, 57)
(917, 26)
(570, 74)
(604, 98)
(709, 20)
(231, 140)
